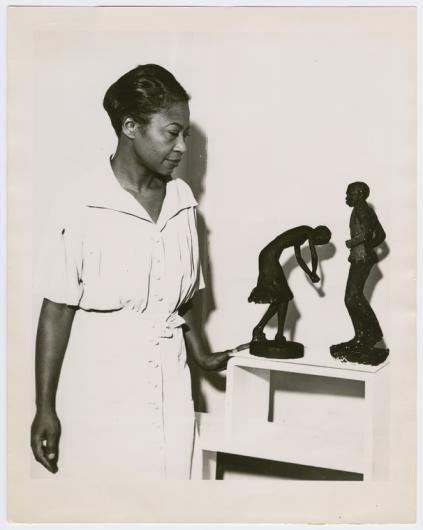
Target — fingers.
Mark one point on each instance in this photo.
(239, 348)
(220, 361)
(45, 436)
(52, 450)
(39, 451)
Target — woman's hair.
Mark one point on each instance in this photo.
(140, 93)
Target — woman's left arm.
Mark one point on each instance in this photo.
(196, 344)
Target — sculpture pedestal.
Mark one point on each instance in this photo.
(272, 349)
(313, 411)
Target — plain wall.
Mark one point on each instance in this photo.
(282, 121)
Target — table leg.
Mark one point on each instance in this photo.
(247, 398)
(209, 465)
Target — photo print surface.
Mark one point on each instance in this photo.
(139, 225)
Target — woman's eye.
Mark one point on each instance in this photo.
(173, 133)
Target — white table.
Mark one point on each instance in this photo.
(315, 411)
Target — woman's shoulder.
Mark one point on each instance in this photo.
(67, 210)
(184, 191)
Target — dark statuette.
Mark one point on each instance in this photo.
(366, 234)
(272, 288)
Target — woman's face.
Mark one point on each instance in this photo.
(160, 145)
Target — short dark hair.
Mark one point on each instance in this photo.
(363, 187)
(140, 93)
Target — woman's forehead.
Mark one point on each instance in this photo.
(176, 113)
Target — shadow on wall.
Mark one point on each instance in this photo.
(293, 316)
(245, 467)
(203, 302)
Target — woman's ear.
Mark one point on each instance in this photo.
(128, 127)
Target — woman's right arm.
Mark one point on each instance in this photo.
(54, 327)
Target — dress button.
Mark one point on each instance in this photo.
(156, 344)
(160, 299)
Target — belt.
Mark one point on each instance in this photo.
(164, 327)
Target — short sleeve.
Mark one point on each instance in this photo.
(61, 272)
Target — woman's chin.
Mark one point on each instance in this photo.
(166, 173)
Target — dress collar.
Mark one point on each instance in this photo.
(107, 193)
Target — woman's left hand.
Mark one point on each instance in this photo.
(214, 361)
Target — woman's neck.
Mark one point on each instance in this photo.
(131, 175)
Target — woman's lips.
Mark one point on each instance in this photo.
(173, 162)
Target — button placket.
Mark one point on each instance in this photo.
(162, 442)
(157, 274)
(157, 269)
(155, 399)
(156, 407)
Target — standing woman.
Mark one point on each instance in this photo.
(123, 267)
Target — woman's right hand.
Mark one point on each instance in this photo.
(45, 435)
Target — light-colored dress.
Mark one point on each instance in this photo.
(124, 397)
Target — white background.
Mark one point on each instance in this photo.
(282, 121)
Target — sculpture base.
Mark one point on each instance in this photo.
(361, 355)
(273, 349)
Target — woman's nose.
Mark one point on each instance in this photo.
(180, 145)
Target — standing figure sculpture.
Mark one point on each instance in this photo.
(366, 234)
(272, 288)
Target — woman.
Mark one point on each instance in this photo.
(125, 261)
